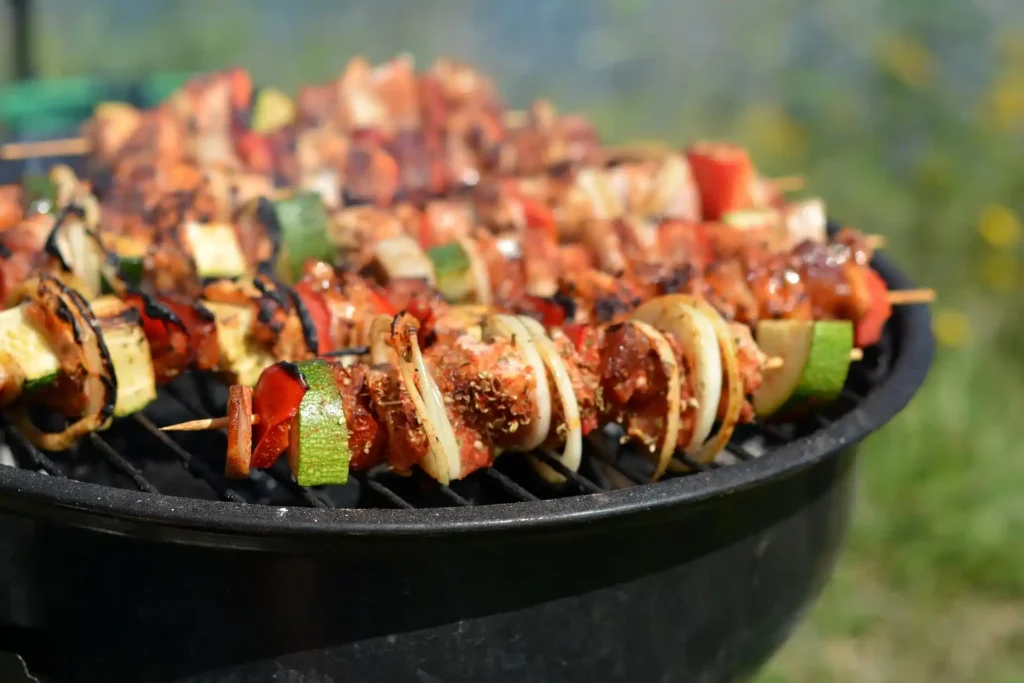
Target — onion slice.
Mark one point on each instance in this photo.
(692, 331)
(443, 462)
(74, 335)
(733, 381)
(572, 454)
(672, 404)
(511, 327)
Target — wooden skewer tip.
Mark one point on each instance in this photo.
(906, 297)
(202, 425)
(776, 362)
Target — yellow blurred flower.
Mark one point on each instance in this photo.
(774, 131)
(999, 226)
(1000, 271)
(908, 60)
(952, 328)
(1004, 101)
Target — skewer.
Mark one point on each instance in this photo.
(875, 241)
(906, 297)
(15, 151)
(777, 362)
(212, 423)
(203, 425)
(790, 183)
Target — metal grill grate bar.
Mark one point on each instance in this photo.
(118, 462)
(195, 466)
(39, 460)
(383, 491)
(509, 485)
(554, 463)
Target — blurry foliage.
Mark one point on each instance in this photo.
(907, 116)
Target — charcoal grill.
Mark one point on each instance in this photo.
(133, 558)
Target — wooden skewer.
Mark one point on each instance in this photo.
(203, 425)
(875, 241)
(790, 183)
(47, 148)
(212, 423)
(777, 362)
(906, 297)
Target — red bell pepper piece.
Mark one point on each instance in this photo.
(551, 314)
(869, 326)
(274, 403)
(241, 88)
(255, 151)
(539, 216)
(380, 301)
(576, 333)
(723, 173)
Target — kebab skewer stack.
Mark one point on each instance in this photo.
(551, 296)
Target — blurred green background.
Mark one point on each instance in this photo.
(907, 116)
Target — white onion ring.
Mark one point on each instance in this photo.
(572, 454)
(510, 327)
(694, 331)
(672, 419)
(733, 381)
(443, 462)
(87, 357)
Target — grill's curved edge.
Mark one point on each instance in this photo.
(201, 522)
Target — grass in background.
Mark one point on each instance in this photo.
(908, 117)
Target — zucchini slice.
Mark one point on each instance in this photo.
(815, 361)
(129, 350)
(215, 250)
(27, 347)
(318, 451)
(239, 356)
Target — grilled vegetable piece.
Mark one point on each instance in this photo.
(240, 357)
(451, 266)
(272, 110)
(129, 350)
(401, 258)
(39, 192)
(215, 249)
(724, 174)
(26, 346)
(79, 252)
(461, 275)
(275, 402)
(303, 235)
(239, 431)
(815, 361)
(318, 451)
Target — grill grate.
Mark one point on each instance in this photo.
(135, 454)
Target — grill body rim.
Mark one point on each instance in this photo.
(202, 522)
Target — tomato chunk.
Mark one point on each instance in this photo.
(869, 326)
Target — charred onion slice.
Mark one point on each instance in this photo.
(443, 461)
(573, 451)
(511, 328)
(73, 334)
(692, 330)
(733, 381)
(379, 336)
(672, 404)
